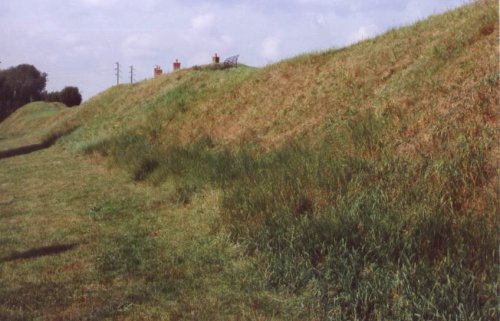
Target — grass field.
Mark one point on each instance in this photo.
(352, 184)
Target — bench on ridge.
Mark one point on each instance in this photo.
(231, 62)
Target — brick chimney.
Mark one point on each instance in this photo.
(177, 65)
(158, 71)
(215, 59)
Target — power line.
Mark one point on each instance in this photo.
(117, 73)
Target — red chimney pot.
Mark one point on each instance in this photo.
(177, 65)
(158, 71)
(215, 59)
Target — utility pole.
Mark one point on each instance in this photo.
(117, 73)
(131, 74)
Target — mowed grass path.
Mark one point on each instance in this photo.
(141, 253)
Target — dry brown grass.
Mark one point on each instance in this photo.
(418, 74)
(294, 97)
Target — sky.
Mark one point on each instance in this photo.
(78, 42)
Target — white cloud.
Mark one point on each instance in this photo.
(320, 20)
(270, 48)
(70, 39)
(202, 22)
(98, 3)
(321, 2)
(202, 39)
(140, 45)
(362, 33)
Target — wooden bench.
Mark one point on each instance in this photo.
(231, 62)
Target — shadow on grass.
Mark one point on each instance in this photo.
(40, 251)
(51, 140)
(24, 150)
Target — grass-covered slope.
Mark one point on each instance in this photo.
(418, 74)
(31, 118)
(353, 184)
(33, 123)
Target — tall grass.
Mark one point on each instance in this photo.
(358, 233)
(373, 239)
(354, 228)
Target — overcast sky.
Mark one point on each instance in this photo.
(77, 42)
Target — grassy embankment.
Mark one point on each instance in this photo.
(353, 184)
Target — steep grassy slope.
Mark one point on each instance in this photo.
(32, 117)
(417, 73)
(32, 124)
(353, 184)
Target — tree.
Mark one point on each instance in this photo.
(70, 96)
(53, 96)
(5, 98)
(26, 82)
(22, 84)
